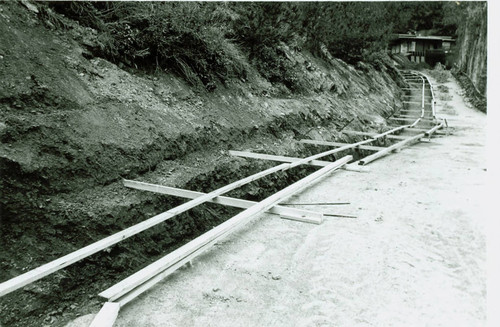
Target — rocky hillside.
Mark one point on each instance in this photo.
(472, 45)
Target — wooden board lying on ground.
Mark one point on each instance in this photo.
(433, 130)
(318, 163)
(304, 215)
(253, 155)
(409, 119)
(393, 147)
(410, 111)
(414, 102)
(396, 137)
(107, 315)
(204, 241)
(420, 130)
(423, 118)
(363, 147)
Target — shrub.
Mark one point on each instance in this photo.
(188, 38)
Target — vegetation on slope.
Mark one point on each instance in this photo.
(207, 43)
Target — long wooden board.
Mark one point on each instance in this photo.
(306, 215)
(410, 117)
(393, 147)
(272, 157)
(107, 315)
(363, 147)
(424, 130)
(395, 137)
(203, 241)
(318, 163)
(414, 102)
(405, 119)
(433, 130)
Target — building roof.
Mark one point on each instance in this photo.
(422, 37)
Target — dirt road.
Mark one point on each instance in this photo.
(414, 256)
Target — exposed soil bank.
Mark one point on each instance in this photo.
(472, 43)
(71, 126)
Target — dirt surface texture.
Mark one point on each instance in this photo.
(413, 256)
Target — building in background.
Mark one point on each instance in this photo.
(418, 48)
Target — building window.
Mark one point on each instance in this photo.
(412, 46)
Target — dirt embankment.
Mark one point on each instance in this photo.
(72, 125)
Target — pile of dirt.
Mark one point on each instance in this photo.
(73, 125)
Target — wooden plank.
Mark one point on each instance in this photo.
(307, 215)
(106, 317)
(396, 137)
(414, 102)
(46, 269)
(393, 147)
(254, 155)
(433, 130)
(408, 115)
(423, 96)
(363, 147)
(423, 118)
(126, 298)
(204, 241)
(319, 163)
(432, 95)
(418, 130)
(416, 111)
(410, 118)
(324, 154)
